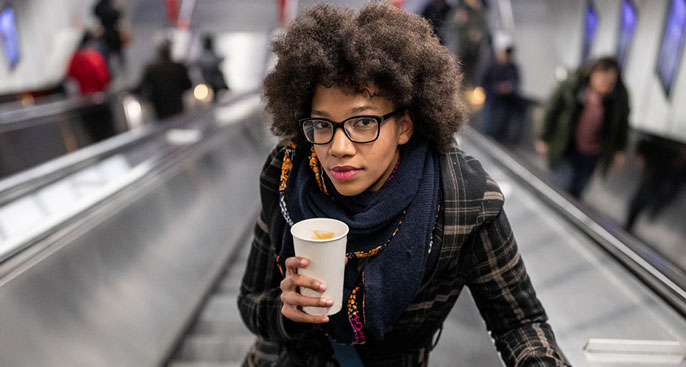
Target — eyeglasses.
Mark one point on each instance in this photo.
(359, 129)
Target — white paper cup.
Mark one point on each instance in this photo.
(327, 260)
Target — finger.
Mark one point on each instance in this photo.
(292, 281)
(307, 282)
(298, 300)
(297, 315)
(293, 263)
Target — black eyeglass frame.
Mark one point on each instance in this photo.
(337, 125)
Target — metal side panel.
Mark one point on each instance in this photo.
(116, 288)
(587, 294)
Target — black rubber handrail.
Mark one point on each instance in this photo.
(22, 183)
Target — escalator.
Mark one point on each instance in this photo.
(113, 280)
(602, 312)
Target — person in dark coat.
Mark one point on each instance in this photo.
(585, 125)
(209, 64)
(164, 82)
(435, 12)
(109, 16)
(664, 174)
(504, 108)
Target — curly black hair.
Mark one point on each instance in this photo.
(379, 46)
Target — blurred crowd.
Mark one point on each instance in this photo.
(584, 133)
(101, 58)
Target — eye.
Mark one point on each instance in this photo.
(363, 123)
(321, 124)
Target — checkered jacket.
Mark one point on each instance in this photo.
(473, 246)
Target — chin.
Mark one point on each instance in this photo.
(348, 190)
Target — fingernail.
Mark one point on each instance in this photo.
(329, 302)
(325, 319)
(303, 262)
(322, 287)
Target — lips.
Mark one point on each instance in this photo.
(344, 172)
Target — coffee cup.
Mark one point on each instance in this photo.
(322, 241)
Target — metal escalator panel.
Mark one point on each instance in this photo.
(114, 284)
(587, 293)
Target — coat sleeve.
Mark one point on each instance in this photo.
(506, 299)
(259, 299)
(552, 113)
(623, 131)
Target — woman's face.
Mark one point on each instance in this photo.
(356, 167)
(603, 81)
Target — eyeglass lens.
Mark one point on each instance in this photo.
(359, 130)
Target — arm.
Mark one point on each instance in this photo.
(515, 79)
(259, 300)
(497, 278)
(623, 120)
(552, 113)
(186, 83)
(144, 86)
(487, 81)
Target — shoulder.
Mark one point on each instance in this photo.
(468, 190)
(271, 169)
(568, 87)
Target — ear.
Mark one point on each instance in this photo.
(404, 128)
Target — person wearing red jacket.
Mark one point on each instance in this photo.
(89, 68)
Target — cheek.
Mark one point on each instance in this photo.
(383, 153)
(321, 152)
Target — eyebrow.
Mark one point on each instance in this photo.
(352, 111)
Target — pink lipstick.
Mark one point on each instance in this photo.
(344, 172)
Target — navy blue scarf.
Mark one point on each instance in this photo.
(389, 238)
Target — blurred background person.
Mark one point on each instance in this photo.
(585, 123)
(164, 82)
(435, 12)
(663, 175)
(468, 24)
(109, 16)
(209, 65)
(503, 113)
(88, 68)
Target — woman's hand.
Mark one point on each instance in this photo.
(293, 301)
(542, 147)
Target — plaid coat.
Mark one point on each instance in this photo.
(473, 246)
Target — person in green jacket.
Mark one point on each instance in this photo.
(585, 124)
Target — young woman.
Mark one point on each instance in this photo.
(368, 104)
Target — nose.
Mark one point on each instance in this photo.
(341, 145)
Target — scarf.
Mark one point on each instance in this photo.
(388, 242)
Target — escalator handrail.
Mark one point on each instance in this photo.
(666, 280)
(21, 118)
(14, 186)
(26, 181)
(156, 163)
